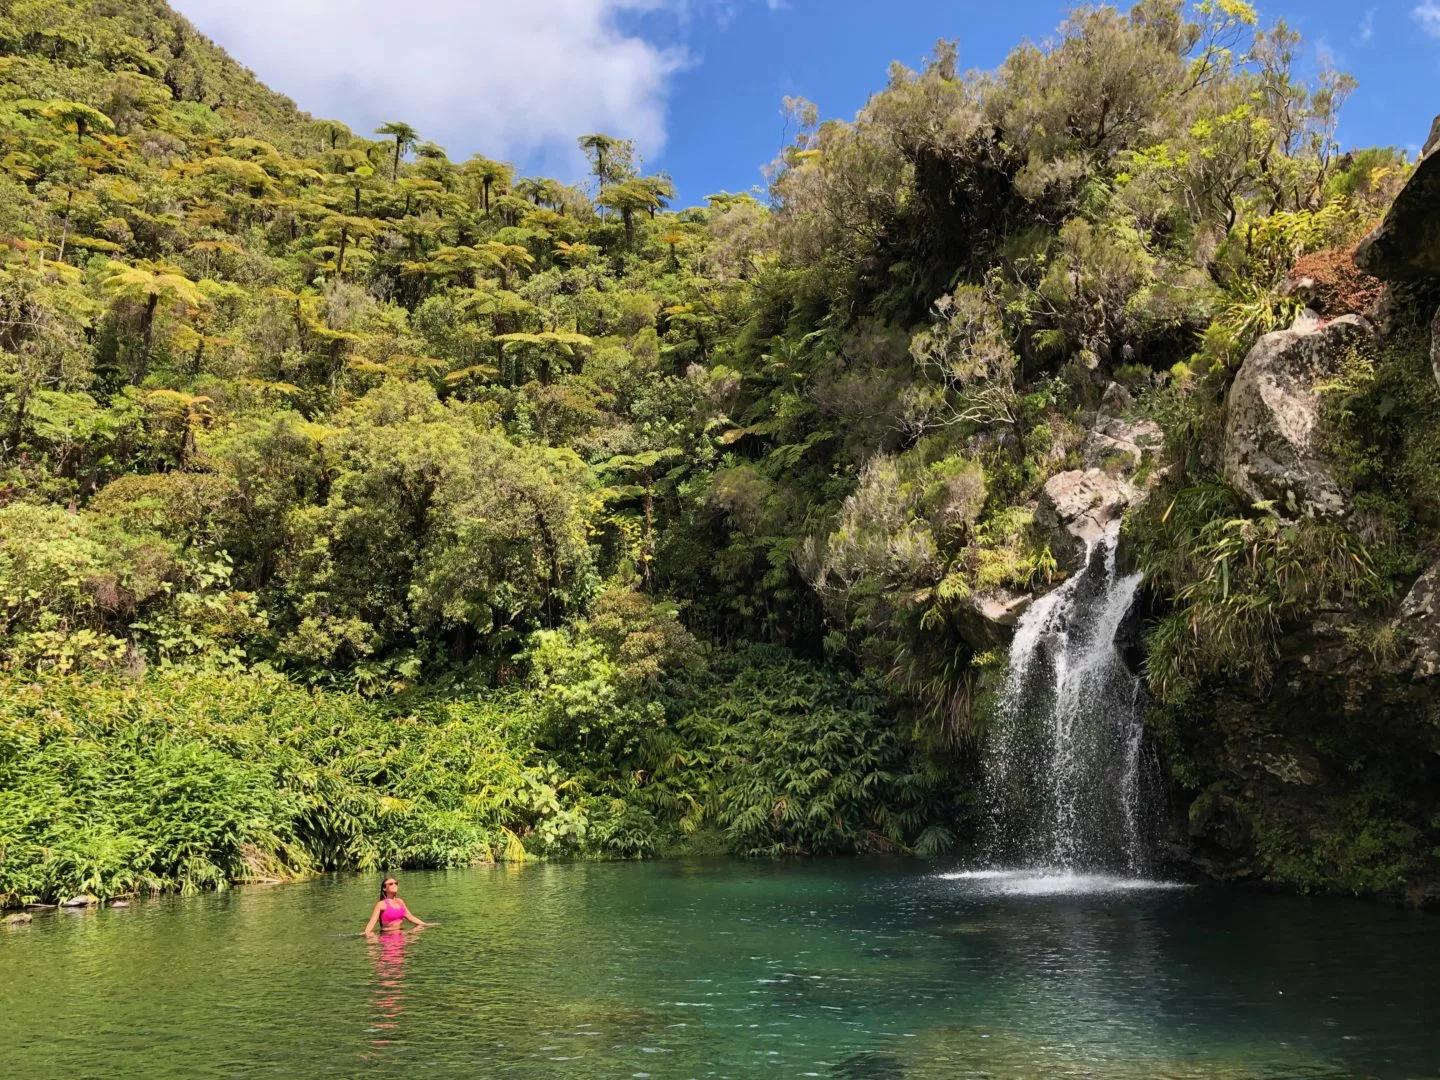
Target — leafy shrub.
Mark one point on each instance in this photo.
(192, 779)
(786, 756)
(1235, 581)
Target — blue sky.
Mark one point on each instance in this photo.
(699, 83)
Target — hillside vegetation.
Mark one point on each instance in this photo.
(360, 507)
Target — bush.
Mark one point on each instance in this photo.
(191, 779)
(789, 757)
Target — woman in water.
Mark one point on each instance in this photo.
(390, 911)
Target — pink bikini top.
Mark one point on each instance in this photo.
(393, 911)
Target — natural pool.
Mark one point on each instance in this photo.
(868, 968)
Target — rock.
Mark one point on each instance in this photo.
(1405, 246)
(987, 621)
(120, 903)
(20, 918)
(83, 900)
(1076, 509)
(1435, 344)
(1116, 400)
(1114, 440)
(1419, 620)
(1217, 821)
(1291, 767)
(1271, 451)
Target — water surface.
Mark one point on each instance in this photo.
(729, 969)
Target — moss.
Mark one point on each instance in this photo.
(1350, 845)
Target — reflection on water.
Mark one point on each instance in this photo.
(1054, 882)
(721, 968)
(387, 1001)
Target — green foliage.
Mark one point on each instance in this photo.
(1236, 580)
(194, 779)
(786, 757)
(498, 461)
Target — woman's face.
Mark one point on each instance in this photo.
(392, 887)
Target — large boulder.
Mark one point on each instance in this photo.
(1272, 413)
(1405, 246)
(1076, 509)
(987, 620)
(1419, 622)
(1435, 345)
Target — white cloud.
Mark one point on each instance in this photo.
(1367, 27)
(1428, 16)
(509, 79)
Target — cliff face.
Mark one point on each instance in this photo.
(1325, 774)
(1327, 780)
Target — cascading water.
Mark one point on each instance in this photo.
(1069, 785)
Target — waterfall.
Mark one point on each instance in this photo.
(1069, 783)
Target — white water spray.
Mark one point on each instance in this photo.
(1068, 783)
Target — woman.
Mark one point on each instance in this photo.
(390, 911)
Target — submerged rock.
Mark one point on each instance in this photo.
(20, 918)
(1076, 509)
(1271, 451)
(1406, 244)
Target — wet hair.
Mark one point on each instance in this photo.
(383, 882)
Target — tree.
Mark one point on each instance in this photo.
(488, 174)
(542, 347)
(332, 132)
(610, 158)
(150, 284)
(85, 117)
(970, 360)
(405, 138)
(505, 259)
(342, 229)
(634, 196)
(642, 467)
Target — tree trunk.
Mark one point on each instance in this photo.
(647, 545)
(340, 261)
(65, 229)
(17, 429)
(334, 368)
(147, 326)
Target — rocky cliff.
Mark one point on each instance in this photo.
(1324, 774)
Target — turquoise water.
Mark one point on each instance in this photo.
(727, 969)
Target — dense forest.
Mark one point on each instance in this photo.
(364, 508)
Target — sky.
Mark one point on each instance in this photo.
(698, 84)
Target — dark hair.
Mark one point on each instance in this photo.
(388, 877)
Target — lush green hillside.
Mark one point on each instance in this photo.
(361, 506)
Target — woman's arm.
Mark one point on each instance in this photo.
(374, 915)
(414, 918)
